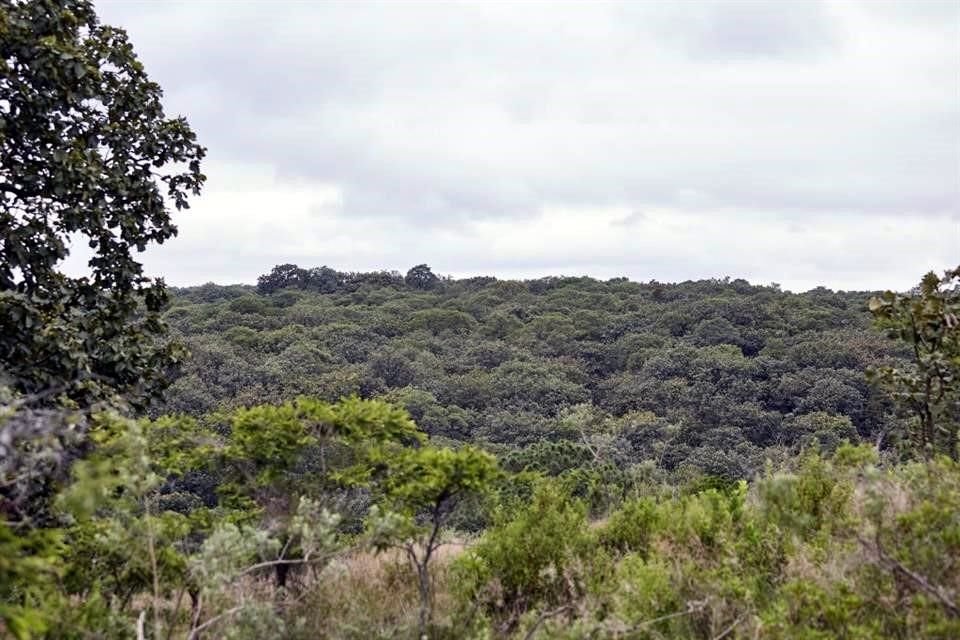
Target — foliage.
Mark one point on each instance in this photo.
(508, 364)
(87, 155)
(531, 559)
(628, 418)
(929, 386)
(421, 277)
(418, 490)
(223, 522)
(834, 547)
(137, 521)
(35, 447)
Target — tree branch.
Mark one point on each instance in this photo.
(543, 618)
(733, 625)
(212, 621)
(694, 606)
(894, 565)
(282, 561)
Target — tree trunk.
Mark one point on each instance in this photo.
(426, 609)
(194, 594)
(281, 571)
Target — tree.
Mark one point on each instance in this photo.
(418, 489)
(421, 277)
(86, 154)
(323, 279)
(929, 387)
(441, 321)
(282, 275)
(716, 330)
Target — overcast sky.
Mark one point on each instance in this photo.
(805, 143)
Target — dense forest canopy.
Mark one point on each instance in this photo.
(716, 375)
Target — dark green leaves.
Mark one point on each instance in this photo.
(928, 388)
(86, 155)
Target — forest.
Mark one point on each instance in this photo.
(557, 374)
(354, 455)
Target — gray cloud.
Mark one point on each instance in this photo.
(631, 219)
(736, 30)
(441, 116)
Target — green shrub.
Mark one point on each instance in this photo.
(631, 527)
(534, 559)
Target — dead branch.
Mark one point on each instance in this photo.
(922, 583)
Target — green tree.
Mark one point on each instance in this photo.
(421, 277)
(418, 489)
(929, 386)
(88, 155)
(282, 275)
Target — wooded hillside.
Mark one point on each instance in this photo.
(715, 375)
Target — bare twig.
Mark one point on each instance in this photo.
(544, 617)
(282, 561)
(894, 565)
(151, 548)
(141, 619)
(212, 621)
(31, 398)
(175, 612)
(286, 546)
(593, 451)
(694, 606)
(733, 625)
(196, 615)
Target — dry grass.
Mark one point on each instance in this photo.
(360, 595)
(367, 595)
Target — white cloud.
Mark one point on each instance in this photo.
(809, 143)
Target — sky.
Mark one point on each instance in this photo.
(802, 143)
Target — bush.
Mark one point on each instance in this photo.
(535, 558)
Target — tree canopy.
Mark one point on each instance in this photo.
(87, 156)
(713, 376)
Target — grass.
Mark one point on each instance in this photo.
(365, 595)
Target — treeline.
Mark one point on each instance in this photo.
(710, 377)
(326, 280)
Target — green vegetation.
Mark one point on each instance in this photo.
(86, 156)
(241, 524)
(826, 549)
(927, 388)
(664, 516)
(559, 375)
(368, 455)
